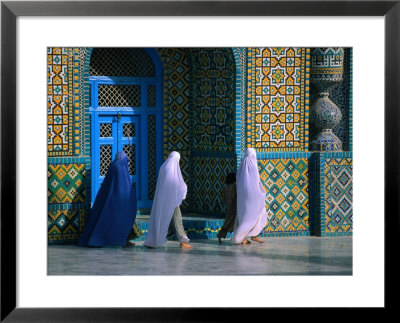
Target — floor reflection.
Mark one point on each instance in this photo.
(277, 256)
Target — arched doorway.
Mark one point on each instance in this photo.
(126, 115)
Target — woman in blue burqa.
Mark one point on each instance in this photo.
(114, 210)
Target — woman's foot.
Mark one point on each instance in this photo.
(257, 239)
(149, 247)
(245, 241)
(129, 244)
(185, 245)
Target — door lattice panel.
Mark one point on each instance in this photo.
(130, 151)
(128, 130)
(121, 62)
(119, 95)
(151, 96)
(105, 130)
(105, 158)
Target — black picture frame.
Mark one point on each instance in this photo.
(10, 10)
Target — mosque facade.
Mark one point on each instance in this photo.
(293, 105)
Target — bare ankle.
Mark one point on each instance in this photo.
(185, 245)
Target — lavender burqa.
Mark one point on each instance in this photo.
(170, 192)
(251, 213)
(114, 210)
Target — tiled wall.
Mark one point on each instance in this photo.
(67, 94)
(66, 183)
(209, 172)
(277, 121)
(216, 103)
(65, 225)
(278, 97)
(176, 99)
(213, 86)
(286, 183)
(338, 189)
(67, 203)
(332, 194)
(213, 74)
(68, 143)
(59, 107)
(176, 110)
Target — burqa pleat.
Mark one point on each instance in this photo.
(114, 209)
(251, 213)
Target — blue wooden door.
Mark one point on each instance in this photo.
(116, 132)
(106, 147)
(126, 115)
(128, 130)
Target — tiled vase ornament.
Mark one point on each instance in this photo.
(326, 73)
(326, 140)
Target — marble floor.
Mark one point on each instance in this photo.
(277, 256)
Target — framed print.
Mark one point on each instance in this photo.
(212, 56)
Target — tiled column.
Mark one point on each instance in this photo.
(331, 194)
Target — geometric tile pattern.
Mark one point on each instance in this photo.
(65, 225)
(65, 106)
(212, 142)
(278, 98)
(59, 110)
(186, 167)
(176, 99)
(66, 183)
(208, 179)
(176, 108)
(339, 195)
(214, 74)
(75, 97)
(83, 101)
(151, 151)
(286, 184)
(240, 54)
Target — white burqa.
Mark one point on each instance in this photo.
(170, 191)
(251, 213)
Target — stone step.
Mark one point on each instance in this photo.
(204, 226)
(196, 226)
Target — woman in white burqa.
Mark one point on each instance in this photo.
(251, 213)
(170, 191)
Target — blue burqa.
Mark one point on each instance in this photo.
(114, 210)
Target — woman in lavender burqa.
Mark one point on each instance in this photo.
(114, 209)
(170, 192)
(251, 213)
